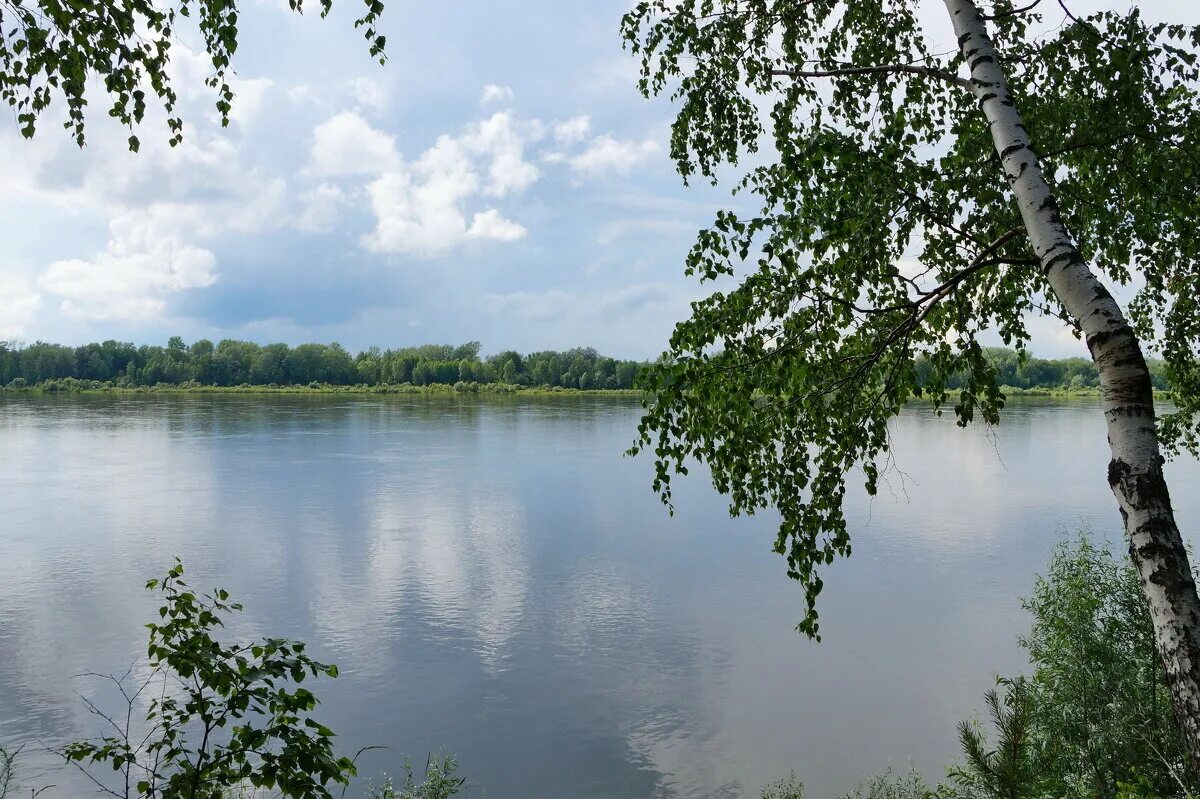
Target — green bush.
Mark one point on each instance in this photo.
(788, 788)
(1094, 719)
(890, 785)
(440, 782)
(234, 722)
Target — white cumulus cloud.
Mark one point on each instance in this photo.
(319, 208)
(495, 94)
(490, 225)
(367, 93)
(571, 130)
(132, 278)
(346, 144)
(421, 207)
(607, 154)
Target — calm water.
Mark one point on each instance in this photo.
(496, 580)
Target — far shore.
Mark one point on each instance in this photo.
(75, 386)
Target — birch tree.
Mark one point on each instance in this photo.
(914, 199)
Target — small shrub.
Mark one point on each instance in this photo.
(440, 782)
(229, 718)
(787, 788)
(889, 785)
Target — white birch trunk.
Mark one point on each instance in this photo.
(1135, 471)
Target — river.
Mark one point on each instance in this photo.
(496, 580)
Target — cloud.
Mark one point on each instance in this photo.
(569, 131)
(541, 306)
(417, 206)
(420, 207)
(319, 208)
(367, 93)
(19, 305)
(490, 225)
(249, 95)
(132, 278)
(501, 140)
(607, 154)
(346, 144)
(545, 306)
(495, 94)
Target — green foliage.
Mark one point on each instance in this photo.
(51, 50)
(889, 785)
(787, 788)
(1013, 769)
(440, 781)
(53, 367)
(1019, 370)
(887, 241)
(1099, 692)
(1094, 718)
(223, 717)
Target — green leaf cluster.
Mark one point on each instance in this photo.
(887, 244)
(55, 49)
(221, 716)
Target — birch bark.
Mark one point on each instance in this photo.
(1135, 471)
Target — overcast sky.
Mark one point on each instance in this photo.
(500, 179)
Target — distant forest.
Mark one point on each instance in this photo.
(237, 363)
(244, 363)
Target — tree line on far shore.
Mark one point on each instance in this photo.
(238, 363)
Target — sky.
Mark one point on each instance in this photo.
(500, 179)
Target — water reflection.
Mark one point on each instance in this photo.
(495, 579)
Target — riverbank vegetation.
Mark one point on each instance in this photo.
(233, 365)
(209, 716)
(1091, 719)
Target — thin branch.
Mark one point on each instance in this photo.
(912, 69)
(1013, 13)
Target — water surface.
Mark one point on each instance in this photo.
(496, 580)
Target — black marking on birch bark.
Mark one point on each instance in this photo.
(1102, 337)
(983, 59)
(1062, 259)
(1134, 410)
(1048, 202)
(1013, 148)
(1128, 360)
(964, 38)
(988, 96)
(1118, 470)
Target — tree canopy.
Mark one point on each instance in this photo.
(888, 235)
(53, 49)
